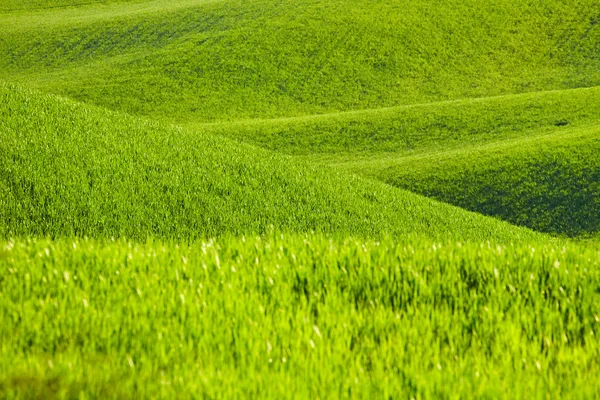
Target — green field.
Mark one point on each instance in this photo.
(301, 315)
(299, 199)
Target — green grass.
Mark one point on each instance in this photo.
(529, 159)
(73, 170)
(189, 61)
(549, 183)
(298, 316)
(22, 5)
(346, 83)
(406, 130)
(208, 199)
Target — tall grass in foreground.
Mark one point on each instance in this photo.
(299, 316)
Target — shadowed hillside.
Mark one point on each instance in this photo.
(549, 183)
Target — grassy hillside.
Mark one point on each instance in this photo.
(22, 5)
(350, 137)
(300, 316)
(295, 133)
(357, 84)
(550, 183)
(69, 169)
(190, 60)
(531, 159)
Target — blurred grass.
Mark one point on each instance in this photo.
(299, 316)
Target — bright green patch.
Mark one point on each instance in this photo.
(300, 316)
(190, 61)
(70, 169)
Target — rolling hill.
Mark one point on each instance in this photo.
(74, 170)
(531, 159)
(345, 83)
(199, 60)
(286, 198)
(550, 183)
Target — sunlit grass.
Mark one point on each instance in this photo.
(74, 170)
(216, 206)
(307, 316)
(190, 61)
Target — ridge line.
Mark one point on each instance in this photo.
(307, 117)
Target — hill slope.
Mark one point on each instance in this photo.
(418, 128)
(69, 169)
(531, 159)
(192, 60)
(550, 183)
